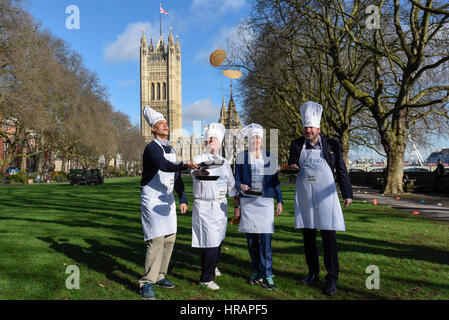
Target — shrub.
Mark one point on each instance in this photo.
(20, 177)
(59, 176)
(121, 173)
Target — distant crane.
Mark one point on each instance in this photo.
(415, 152)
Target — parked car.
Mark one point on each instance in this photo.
(84, 176)
(356, 170)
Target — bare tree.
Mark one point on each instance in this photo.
(283, 69)
(23, 74)
(50, 102)
(399, 59)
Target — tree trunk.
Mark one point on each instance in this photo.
(394, 142)
(4, 166)
(23, 165)
(40, 165)
(394, 172)
(344, 140)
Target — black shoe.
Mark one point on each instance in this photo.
(331, 288)
(268, 283)
(255, 279)
(311, 278)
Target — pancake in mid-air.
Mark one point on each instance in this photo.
(217, 57)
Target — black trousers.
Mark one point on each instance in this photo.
(209, 261)
(329, 238)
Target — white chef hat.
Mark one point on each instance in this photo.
(252, 130)
(152, 116)
(214, 129)
(311, 114)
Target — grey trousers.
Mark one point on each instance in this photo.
(157, 258)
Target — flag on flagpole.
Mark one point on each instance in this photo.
(163, 11)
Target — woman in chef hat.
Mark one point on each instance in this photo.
(258, 186)
(209, 214)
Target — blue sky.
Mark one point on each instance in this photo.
(109, 40)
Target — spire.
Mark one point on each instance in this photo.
(233, 119)
(143, 40)
(143, 44)
(151, 45)
(223, 112)
(170, 37)
(160, 47)
(231, 99)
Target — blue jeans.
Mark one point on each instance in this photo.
(259, 246)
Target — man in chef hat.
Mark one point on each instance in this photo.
(209, 213)
(317, 205)
(160, 176)
(252, 173)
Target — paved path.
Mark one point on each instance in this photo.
(428, 205)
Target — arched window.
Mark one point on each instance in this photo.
(152, 91)
(159, 91)
(164, 91)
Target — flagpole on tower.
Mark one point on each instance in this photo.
(160, 18)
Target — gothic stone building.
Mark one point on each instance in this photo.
(161, 89)
(160, 83)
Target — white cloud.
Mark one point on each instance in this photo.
(218, 42)
(234, 35)
(126, 46)
(201, 110)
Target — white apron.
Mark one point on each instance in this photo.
(257, 213)
(210, 206)
(316, 200)
(157, 202)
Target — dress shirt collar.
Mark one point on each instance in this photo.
(317, 146)
(163, 143)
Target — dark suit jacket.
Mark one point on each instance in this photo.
(332, 153)
(243, 175)
(154, 160)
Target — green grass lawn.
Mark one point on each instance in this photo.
(46, 228)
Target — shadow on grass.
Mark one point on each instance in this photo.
(391, 249)
(77, 223)
(99, 257)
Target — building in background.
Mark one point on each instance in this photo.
(160, 83)
(442, 154)
(229, 117)
(161, 89)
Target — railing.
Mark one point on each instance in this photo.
(413, 181)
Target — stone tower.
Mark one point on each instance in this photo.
(229, 117)
(160, 83)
